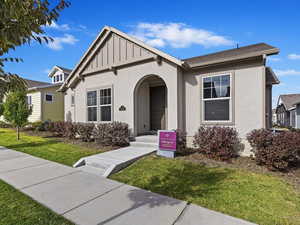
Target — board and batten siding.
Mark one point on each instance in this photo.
(116, 50)
(36, 106)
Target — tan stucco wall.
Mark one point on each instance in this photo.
(36, 106)
(124, 83)
(53, 111)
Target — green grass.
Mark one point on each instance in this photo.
(47, 148)
(262, 199)
(18, 209)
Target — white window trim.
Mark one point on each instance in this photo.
(98, 104)
(91, 106)
(216, 99)
(46, 98)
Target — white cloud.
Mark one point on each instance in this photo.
(274, 59)
(47, 71)
(293, 56)
(58, 42)
(55, 26)
(287, 72)
(177, 35)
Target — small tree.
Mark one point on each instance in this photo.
(16, 110)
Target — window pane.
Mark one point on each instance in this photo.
(216, 81)
(207, 93)
(91, 98)
(216, 110)
(225, 91)
(105, 113)
(72, 99)
(49, 98)
(207, 82)
(92, 114)
(216, 92)
(105, 96)
(225, 80)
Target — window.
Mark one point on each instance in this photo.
(92, 106)
(105, 104)
(61, 77)
(49, 97)
(72, 100)
(216, 98)
(103, 108)
(29, 99)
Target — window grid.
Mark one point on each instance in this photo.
(216, 82)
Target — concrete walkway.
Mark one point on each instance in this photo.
(87, 199)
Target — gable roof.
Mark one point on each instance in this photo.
(56, 67)
(34, 83)
(104, 34)
(255, 50)
(289, 100)
(232, 54)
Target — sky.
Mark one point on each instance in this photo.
(181, 28)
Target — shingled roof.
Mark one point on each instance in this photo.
(34, 83)
(289, 100)
(232, 54)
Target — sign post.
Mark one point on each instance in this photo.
(167, 143)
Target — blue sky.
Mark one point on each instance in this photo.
(182, 29)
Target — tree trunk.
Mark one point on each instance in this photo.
(18, 133)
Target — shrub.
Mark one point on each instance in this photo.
(112, 134)
(58, 128)
(280, 152)
(70, 130)
(260, 138)
(85, 131)
(181, 142)
(217, 142)
(5, 125)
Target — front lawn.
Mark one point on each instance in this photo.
(18, 209)
(47, 148)
(259, 198)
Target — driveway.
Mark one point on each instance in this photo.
(88, 199)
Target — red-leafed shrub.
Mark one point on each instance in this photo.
(112, 134)
(85, 131)
(260, 138)
(58, 128)
(217, 142)
(181, 142)
(70, 130)
(276, 151)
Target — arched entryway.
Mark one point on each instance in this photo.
(150, 102)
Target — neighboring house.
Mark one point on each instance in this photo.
(46, 102)
(120, 78)
(297, 115)
(274, 116)
(286, 110)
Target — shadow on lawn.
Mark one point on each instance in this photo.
(188, 182)
(32, 144)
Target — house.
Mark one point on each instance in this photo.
(297, 115)
(46, 102)
(120, 78)
(286, 110)
(274, 116)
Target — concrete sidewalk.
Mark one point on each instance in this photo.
(87, 199)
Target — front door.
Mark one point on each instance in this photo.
(158, 108)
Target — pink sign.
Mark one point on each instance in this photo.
(167, 140)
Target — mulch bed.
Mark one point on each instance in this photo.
(90, 145)
(246, 163)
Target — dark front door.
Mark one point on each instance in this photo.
(158, 108)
